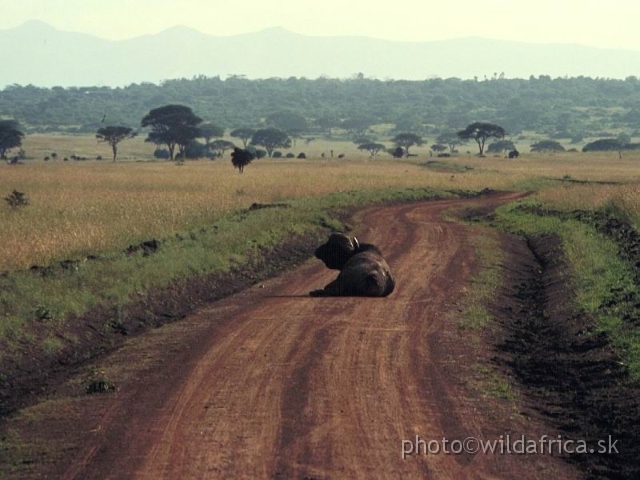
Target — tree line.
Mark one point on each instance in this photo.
(571, 108)
(178, 128)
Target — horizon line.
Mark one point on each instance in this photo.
(289, 31)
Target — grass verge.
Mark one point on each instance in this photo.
(43, 311)
(474, 308)
(603, 282)
(475, 313)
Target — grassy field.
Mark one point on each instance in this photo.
(80, 208)
(199, 213)
(101, 207)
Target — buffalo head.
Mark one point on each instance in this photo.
(363, 269)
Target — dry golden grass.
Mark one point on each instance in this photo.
(83, 207)
(592, 167)
(623, 198)
(39, 146)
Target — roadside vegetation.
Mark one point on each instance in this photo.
(103, 234)
(100, 236)
(605, 285)
(83, 219)
(603, 271)
(42, 308)
(474, 308)
(79, 208)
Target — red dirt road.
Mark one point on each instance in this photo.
(272, 383)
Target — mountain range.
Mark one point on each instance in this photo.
(37, 53)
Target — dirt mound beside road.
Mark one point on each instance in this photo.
(570, 372)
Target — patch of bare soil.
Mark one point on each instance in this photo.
(572, 376)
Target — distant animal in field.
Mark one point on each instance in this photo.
(398, 152)
(514, 153)
(363, 270)
(241, 158)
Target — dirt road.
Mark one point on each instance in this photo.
(275, 384)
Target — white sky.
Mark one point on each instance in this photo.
(610, 23)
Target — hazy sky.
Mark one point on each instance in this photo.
(610, 23)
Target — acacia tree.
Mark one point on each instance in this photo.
(209, 131)
(480, 132)
(172, 125)
(243, 134)
(10, 136)
(547, 146)
(438, 148)
(270, 139)
(372, 147)
(501, 146)
(113, 135)
(450, 139)
(218, 147)
(406, 140)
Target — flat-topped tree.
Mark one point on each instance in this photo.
(480, 132)
(209, 131)
(244, 134)
(547, 146)
(372, 147)
(172, 125)
(270, 139)
(438, 148)
(218, 147)
(501, 146)
(113, 135)
(406, 140)
(450, 139)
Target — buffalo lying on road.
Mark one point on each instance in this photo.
(363, 270)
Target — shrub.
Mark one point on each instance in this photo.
(16, 199)
(257, 152)
(162, 153)
(195, 149)
(99, 383)
(602, 145)
(547, 146)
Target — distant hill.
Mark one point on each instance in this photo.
(36, 53)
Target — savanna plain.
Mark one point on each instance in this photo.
(100, 241)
